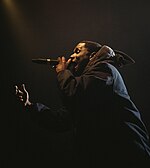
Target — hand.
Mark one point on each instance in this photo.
(22, 95)
(62, 65)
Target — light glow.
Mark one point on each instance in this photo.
(19, 26)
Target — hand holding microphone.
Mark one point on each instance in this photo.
(55, 63)
(62, 64)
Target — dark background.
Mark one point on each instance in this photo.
(32, 29)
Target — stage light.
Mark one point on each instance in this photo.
(17, 21)
(9, 4)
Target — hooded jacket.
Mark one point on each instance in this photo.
(108, 126)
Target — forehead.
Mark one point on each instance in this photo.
(80, 46)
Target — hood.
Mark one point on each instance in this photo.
(115, 57)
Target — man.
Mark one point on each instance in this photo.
(108, 129)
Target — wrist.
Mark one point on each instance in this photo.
(28, 104)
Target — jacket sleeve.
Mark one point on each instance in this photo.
(49, 118)
(71, 85)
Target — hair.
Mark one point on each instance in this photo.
(92, 46)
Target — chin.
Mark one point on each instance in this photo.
(79, 69)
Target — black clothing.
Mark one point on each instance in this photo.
(107, 125)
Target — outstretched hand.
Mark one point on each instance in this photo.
(23, 95)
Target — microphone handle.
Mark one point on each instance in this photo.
(48, 61)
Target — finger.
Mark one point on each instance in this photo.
(20, 92)
(23, 87)
(69, 60)
(59, 59)
(63, 60)
(20, 97)
(16, 89)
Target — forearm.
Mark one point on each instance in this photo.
(67, 83)
(50, 119)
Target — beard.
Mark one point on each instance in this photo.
(77, 68)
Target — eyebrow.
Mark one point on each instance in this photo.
(78, 48)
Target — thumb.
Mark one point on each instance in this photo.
(69, 61)
(23, 88)
(16, 89)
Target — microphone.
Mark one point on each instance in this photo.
(52, 62)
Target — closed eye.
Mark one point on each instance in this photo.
(77, 51)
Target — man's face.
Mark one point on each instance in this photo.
(80, 57)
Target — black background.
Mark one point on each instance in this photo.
(32, 29)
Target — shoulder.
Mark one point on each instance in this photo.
(102, 66)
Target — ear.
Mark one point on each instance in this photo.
(92, 55)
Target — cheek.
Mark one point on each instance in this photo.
(82, 56)
(83, 61)
(80, 59)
